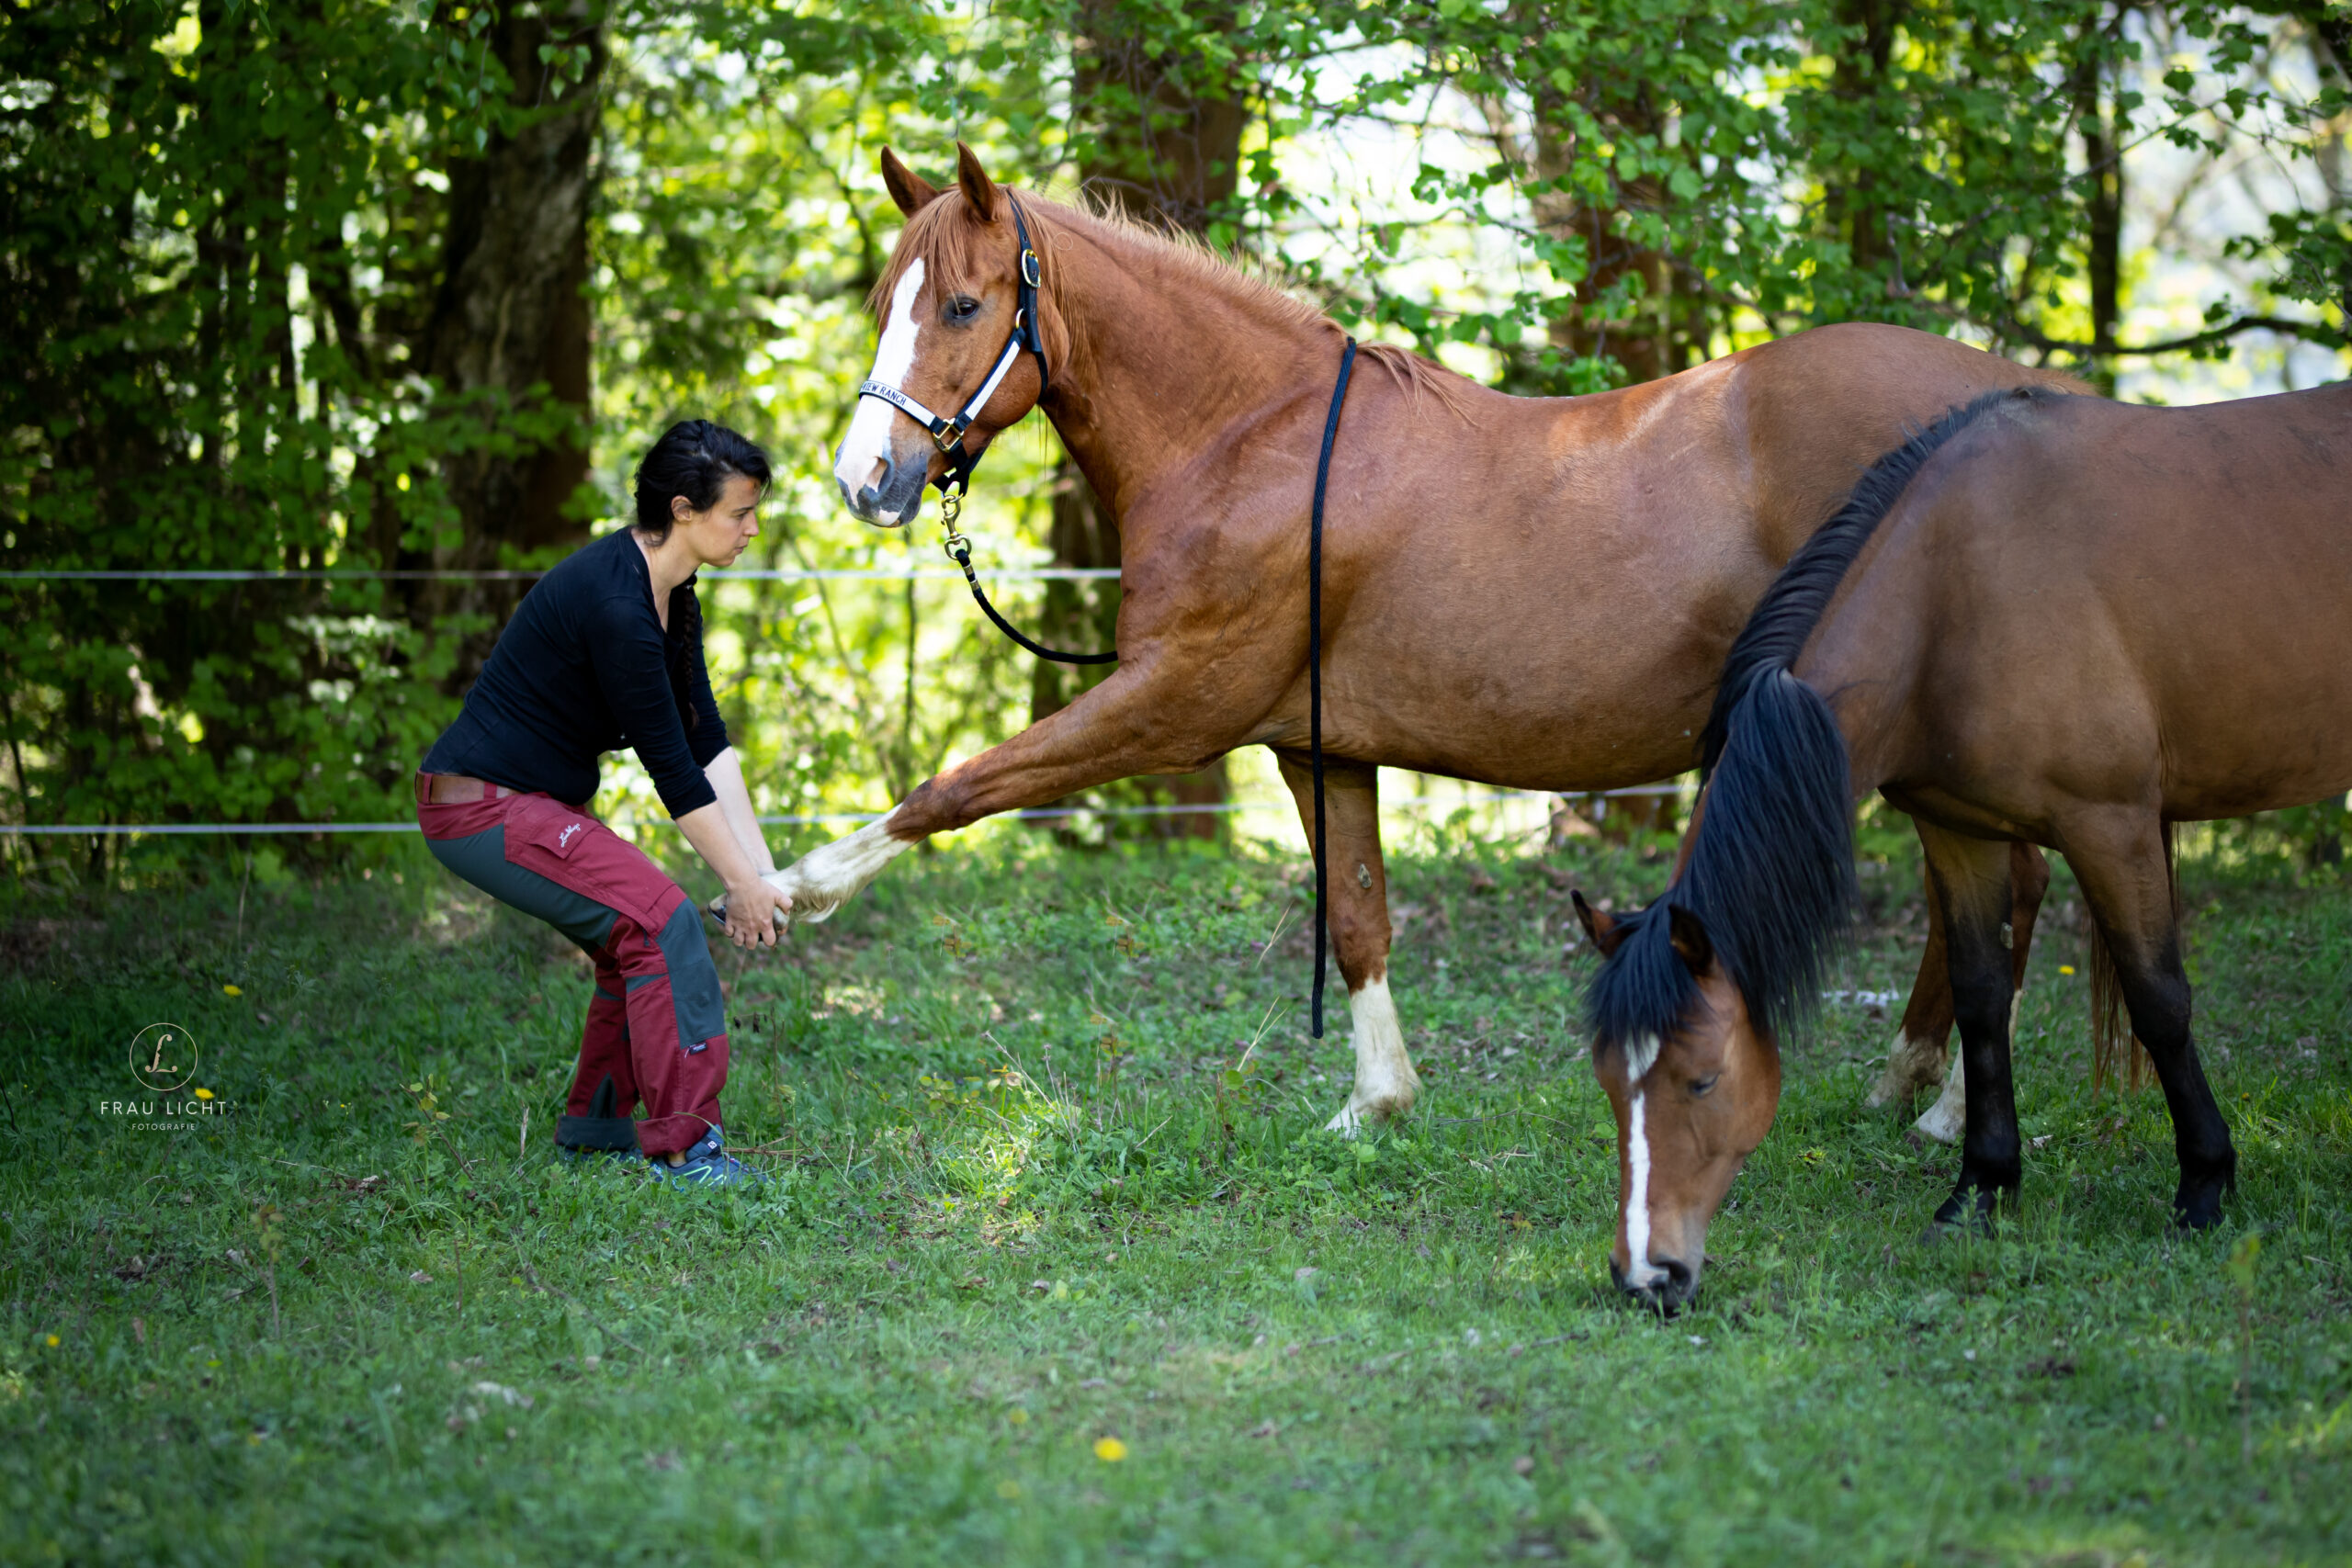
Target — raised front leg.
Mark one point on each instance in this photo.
(1151, 716)
(1385, 1084)
(2029, 880)
(2118, 858)
(1970, 879)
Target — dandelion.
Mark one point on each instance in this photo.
(204, 1094)
(2066, 969)
(1017, 1415)
(1109, 1450)
(233, 990)
(54, 1342)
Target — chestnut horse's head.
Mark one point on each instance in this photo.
(1693, 1103)
(948, 304)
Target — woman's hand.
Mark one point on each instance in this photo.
(757, 910)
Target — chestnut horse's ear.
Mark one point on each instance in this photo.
(1598, 924)
(1689, 934)
(979, 189)
(909, 189)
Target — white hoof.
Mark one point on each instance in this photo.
(1947, 1117)
(1911, 1065)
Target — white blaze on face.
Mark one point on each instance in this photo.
(868, 446)
(1639, 1272)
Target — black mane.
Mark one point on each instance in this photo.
(1771, 873)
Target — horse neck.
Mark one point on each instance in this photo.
(1177, 360)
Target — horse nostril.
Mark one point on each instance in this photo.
(1677, 1285)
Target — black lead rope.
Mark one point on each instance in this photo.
(1314, 664)
(959, 550)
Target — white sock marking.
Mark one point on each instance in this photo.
(1385, 1083)
(1947, 1117)
(867, 445)
(1639, 1273)
(825, 879)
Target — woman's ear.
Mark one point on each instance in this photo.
(680, 509)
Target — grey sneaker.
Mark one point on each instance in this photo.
(707, 1165)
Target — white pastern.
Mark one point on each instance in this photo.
(824, 879)
(868, 446)
(1947, 1117)
(1385, 1083)
(1911, 1065)
(1640, 1272)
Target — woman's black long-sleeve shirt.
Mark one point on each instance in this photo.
(586, 668)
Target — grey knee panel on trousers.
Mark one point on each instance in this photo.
(693, 979)
(481, 859)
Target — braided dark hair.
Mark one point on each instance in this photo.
(694, 458)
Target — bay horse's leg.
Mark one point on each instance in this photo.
(1385, 1083)
(2029, 880)
(2118, 858)
(1971, 881)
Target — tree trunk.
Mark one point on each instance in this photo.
(509, 333)
(1168, 146)
(2102, 205)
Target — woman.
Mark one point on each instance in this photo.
(606, 652)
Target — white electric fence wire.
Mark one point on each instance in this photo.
(820, 819)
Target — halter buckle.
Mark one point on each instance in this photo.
(948, 437)
(1032, 273)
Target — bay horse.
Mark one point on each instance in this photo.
(1533, 593)
(2046, 618)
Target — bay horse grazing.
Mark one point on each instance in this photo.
(1531, 593)
(2047, 618)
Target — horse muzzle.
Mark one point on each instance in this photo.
(891, 499)
(1669, 1289)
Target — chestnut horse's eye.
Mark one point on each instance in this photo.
(1700, 1086)
(963, 308)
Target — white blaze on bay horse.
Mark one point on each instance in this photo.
(1531, 593)
(2047, 619)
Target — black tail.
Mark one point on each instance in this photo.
(1771, 873)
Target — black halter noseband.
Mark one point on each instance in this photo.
(1028, 336)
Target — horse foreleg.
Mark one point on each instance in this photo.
(1385, 1083)
(1970, 879)
(1920, 1052)
(1130, 724)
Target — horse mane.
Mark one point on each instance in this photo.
(1769, 870)
(944, 237)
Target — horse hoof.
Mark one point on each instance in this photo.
(1970, 1211)
(1361, 1109)
(2197, 1208)
(1910, 1067)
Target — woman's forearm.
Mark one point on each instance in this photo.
(713, 837)
(726, 776)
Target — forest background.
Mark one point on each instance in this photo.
(357, 286)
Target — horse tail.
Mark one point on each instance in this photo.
(1769, 869)
(2116, 1051)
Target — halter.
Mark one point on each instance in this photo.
(1028, 337)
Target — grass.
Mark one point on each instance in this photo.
(1039, 1201)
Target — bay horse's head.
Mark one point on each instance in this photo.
(953, 329)
(1692, 1101)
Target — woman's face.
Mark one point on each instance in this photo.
(717, 535)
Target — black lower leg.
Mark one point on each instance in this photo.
(1971, 878)
(2156, 993)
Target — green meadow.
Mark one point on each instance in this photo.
(1056, 1264)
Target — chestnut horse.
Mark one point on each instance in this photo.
(2047, 618)
(1531, 593)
